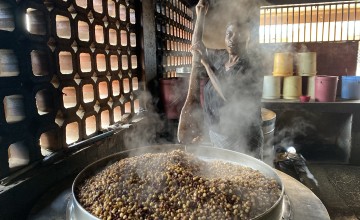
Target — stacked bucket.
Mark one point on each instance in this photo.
(283, 83)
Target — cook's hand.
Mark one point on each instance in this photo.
(200, 48)
(202, 7)
(205, 61)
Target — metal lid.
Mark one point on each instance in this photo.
(267, 115)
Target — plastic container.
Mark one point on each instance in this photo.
(283, 64)
(292, 87)
(350, 87)
(271, 87)
(325, 88)
(311, 87)
(306, 64)
(304, 98)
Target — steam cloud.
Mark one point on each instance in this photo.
(295, 126)
(243, 108)
(261, 58)
(150, 126)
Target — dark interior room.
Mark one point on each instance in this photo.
(179, 109)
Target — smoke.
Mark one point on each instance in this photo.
(296, 126)
(161, 103)
(242, 110)
(222, 12)
(303, 49)
(147, 131)
(268, 151)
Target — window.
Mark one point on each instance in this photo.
(318, 22)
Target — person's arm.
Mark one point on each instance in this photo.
(201, 10)
(190, 121)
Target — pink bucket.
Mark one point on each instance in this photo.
(325, 88)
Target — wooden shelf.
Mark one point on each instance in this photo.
(339, 106)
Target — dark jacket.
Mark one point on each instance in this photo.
(239, 117)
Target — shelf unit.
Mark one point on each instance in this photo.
(174, 29)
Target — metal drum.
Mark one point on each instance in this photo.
(76, 211)
(268, 128)
(268, 118)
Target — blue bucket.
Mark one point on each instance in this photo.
(350, 88)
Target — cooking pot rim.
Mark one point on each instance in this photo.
(195, 149)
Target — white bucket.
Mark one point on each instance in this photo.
(311, 87)
(292, 87)
(306, 64)
(271, 87)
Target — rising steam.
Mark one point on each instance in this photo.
(236, 115)
(242, 108)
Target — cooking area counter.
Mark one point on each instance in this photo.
(350, 109)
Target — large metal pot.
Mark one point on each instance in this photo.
(204, 152)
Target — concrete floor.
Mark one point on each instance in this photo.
(338, 188)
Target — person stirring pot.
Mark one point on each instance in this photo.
(232, 99)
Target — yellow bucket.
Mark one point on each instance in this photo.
(292, 87)
(306, 64)
(283, 64)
